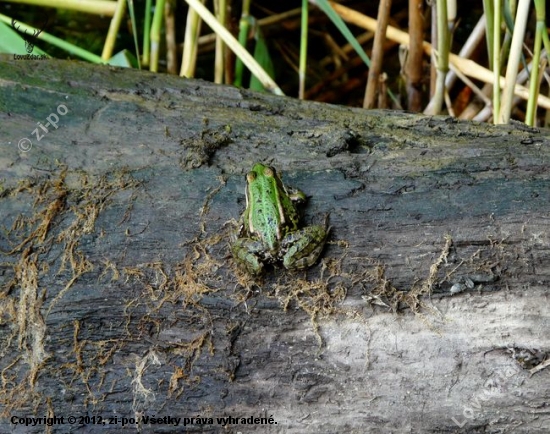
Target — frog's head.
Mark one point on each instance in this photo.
(263, 180)
(260, 170)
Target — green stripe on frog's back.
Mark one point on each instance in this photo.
(271, 213)
(265, 213)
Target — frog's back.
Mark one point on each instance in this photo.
(265, 215)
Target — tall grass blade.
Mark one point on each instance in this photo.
(325, 6)
(262, 56)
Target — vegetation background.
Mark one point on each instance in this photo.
(488, 65)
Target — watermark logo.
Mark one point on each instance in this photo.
(25, 144)
(492, 388)
(30, 41)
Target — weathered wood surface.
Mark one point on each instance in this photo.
(120, 300)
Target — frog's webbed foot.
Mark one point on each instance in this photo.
(302, 247)
(247, 252)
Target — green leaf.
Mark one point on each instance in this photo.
(261, 54)
(344, 30)
(125, 59)
(244, 27)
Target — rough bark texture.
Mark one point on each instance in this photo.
(428, 312)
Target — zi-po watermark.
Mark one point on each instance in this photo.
(25, 144)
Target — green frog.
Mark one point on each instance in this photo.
(269, 229)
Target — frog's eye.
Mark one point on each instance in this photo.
(268, 171)
(251, 176)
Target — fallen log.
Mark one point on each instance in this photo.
(121, 305)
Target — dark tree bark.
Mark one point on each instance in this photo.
(428, 311)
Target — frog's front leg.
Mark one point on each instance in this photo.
(302, 248)
(248, 252)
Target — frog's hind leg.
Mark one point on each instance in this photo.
(247, 252)
(303, 247)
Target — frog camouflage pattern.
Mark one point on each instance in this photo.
(269, 230)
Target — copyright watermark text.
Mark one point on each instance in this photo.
(196, 421)
(25, 144)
